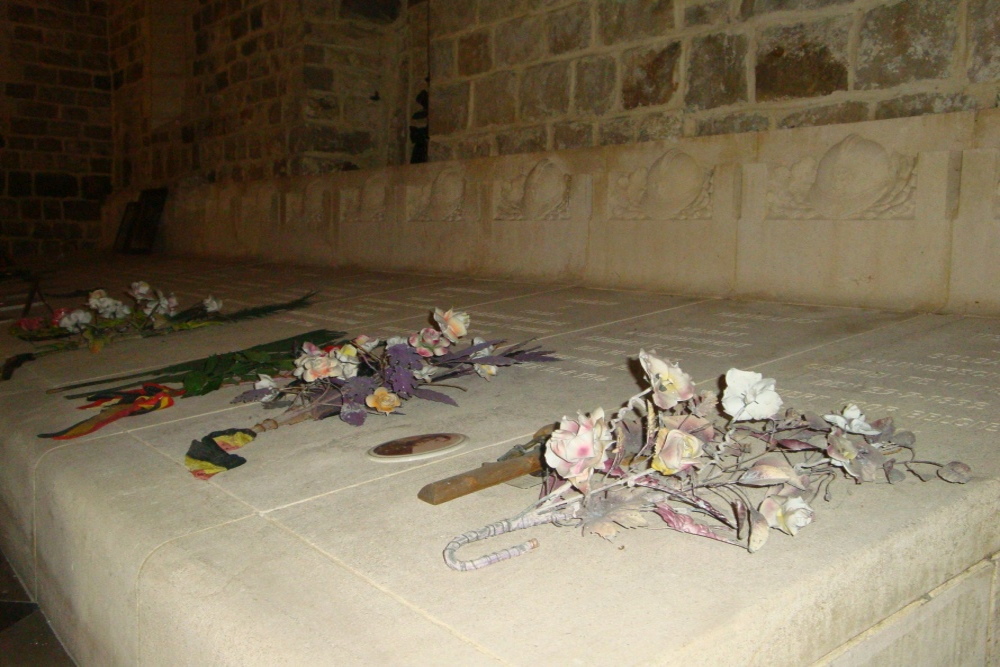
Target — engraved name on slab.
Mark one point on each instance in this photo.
(541, 194)
(856, 179)
(674, 187)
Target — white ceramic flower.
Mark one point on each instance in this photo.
(347, 355)
(267, 382)
(788, 515)
(485, 371)
(107, 307)
(749, 396)
(76, 320)
(141, 291)
(852, 420)
(453, 325)
(212, 305)
(670, 384)
(367, 343)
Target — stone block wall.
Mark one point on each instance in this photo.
(265, 88)
(55, 125)
(515, 76)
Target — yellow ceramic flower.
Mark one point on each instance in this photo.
(383, 400)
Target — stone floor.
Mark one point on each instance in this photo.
(26, 640)
(317, 554)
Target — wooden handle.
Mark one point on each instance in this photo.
(489, 475)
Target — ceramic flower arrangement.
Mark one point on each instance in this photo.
(361, 377)
(729, 470)
(104, 319)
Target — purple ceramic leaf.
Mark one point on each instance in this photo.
(252, 396)
(353, 414)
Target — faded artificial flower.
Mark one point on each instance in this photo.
(212, 305)
(859, 459)
(426, 374)
(267, 382)
(670, 384)
(366, 343)
(141, 291)
(76, 320)
(578, 446)
(347, 355)
(106, 306)
(675, 451)
(453, 325)
(312, 367)
(429, 342)
(161, 305)
(485, 371)
(58, 314)
(395, 340)
(96, 297)
(749, 396)
(383, 400)
(852, 420)
(786, 514)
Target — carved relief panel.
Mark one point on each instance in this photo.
(316, 207)
(675, 187)
(856, 179)
(367, 203)
(448, 198)
(543, 193)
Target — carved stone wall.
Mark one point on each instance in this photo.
(898, 214)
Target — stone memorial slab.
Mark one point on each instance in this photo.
(310, 499)
(297, 603)
(140, 502)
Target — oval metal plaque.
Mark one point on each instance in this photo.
(414, 447)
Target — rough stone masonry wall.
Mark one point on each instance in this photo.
(269, 88)
(55, 125)
(515, 76)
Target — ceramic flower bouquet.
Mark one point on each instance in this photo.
(105, 319)
(729, 472)
(361, 377)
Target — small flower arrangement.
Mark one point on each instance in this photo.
(729, 472)
(364, 376)
(104, 318)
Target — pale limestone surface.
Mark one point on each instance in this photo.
(312, 553)
(900, 214)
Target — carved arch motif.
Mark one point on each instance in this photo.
(674, 187)
(856, 179)
(541, 194)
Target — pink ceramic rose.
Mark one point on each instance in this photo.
(578, 446)
(429, 342)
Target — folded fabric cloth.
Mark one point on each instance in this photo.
(210, 455)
